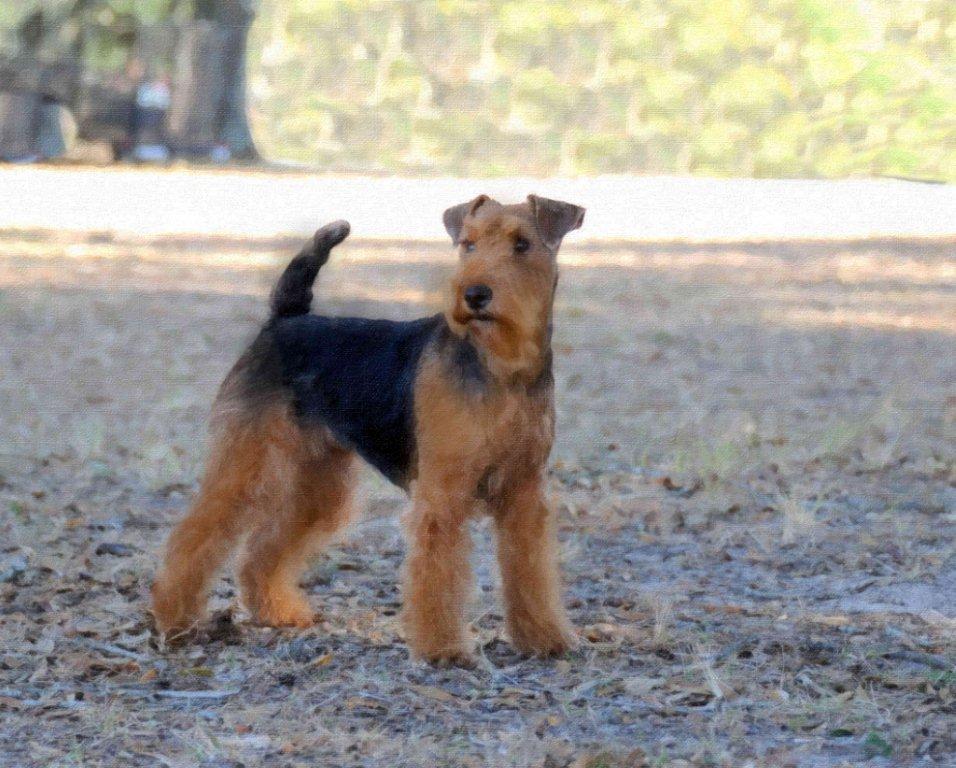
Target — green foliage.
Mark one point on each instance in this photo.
(726, 87)
(876, 746)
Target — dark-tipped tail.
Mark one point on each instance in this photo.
(292, 295)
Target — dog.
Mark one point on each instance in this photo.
(457, 409)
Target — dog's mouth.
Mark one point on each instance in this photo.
(465, 316)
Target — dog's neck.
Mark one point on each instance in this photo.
(479, 371)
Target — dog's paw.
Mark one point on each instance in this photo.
(297, 619)
(548, 641)
(460, 657)
(287, 612)
(450, 651)
(174, 613)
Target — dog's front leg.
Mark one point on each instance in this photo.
(437, 575)
(528, 556)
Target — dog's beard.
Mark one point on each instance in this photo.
(468, 319)
(500, 343)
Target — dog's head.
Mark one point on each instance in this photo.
(503, 290)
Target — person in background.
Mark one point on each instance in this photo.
(149, 119)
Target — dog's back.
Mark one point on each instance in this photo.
(354, 376)
(351, 376)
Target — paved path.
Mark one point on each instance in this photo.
(261, 203)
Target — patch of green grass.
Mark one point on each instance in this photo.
(941, 677)
(20, 511)
(839, 439)
(720, 459)
(662, 759)
(876, 746)
(717, 460)
(663, 338)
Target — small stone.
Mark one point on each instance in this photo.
(115, 549)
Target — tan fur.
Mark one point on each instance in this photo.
(481, 455)
(478, 450)
(513, 346)
(294, 524)
(286, 490)
(488, 453)
(527, 554)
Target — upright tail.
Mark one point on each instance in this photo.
(292, 294)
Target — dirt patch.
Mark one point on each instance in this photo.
(755, 472)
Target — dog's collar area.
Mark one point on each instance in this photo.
(478, 368)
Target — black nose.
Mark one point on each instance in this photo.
(477, 296)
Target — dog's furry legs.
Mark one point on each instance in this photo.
(308, 502)
(528, 556)
(206, 537)
(437, 576)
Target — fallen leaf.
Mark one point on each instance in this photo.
(148, 676)
(432, 692)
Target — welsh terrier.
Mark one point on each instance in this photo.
(457, 409)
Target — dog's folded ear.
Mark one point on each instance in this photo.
(454, 217)
(554, 219)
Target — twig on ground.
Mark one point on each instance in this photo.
(916, 657)
(195, 694)
(116, 650)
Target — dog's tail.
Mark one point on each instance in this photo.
(292, 294)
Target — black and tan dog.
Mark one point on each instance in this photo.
(457, 408)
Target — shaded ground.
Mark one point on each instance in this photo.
(755, 473)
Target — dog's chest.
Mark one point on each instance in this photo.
(484, 442)
(517, 447)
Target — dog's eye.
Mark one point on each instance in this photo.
(467, 246)
(522, 245)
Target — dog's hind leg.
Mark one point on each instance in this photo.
(305, 501)
(203, 540)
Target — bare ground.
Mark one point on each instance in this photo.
(756, 477)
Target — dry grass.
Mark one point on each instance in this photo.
(755, 471)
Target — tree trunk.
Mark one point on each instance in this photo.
(19, 125)
(208, 108)
(235, 131)
(29, 127)
(199, 89)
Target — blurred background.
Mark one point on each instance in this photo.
(765, 88)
